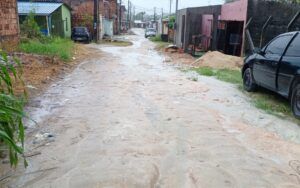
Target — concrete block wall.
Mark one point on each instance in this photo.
(9, 26)
(282, 13)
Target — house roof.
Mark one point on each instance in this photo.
(40, 9)
(138, 21)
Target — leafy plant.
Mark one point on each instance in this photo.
(172, 21)
(11, 111)
(87, 20)
(29, 28)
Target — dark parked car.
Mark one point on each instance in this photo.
(277, 68)
(81, 34)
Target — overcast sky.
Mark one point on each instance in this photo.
(148, 5)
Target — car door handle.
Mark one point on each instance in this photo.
(274, 63)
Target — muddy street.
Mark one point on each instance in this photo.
(127, 119)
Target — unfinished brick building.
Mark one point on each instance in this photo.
(83, 12)
(9, 26)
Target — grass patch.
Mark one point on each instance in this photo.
(155, 39)
(231, 76)
(226, 75)
(271, 103)
(62, 48)
(160, 45)
(205, 71)
(263, 99)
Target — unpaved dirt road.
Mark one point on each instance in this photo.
(129, 120)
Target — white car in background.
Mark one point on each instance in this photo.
(150, 32)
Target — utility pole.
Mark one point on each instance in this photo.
(169, 20)
(128, 14)
(143, 16)
(120, 16)
(133, 13)
(175, 38)
(170, 8)
(154, 16)
(162, 18)
(96, 20)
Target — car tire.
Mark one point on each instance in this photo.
(295, 101)
(248, 81)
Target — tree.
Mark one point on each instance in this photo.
(29, 28)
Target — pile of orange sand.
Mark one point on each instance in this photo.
(218, 60)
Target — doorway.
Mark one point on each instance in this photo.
(234, 37)
(183, 30)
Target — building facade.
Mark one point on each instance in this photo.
(9, 25)
(267, 18)
(190, 23)
(53, 19)
(82, 13)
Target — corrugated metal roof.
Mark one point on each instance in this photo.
(42, 9)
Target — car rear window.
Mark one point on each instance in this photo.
(152, 30)
(79, 30)
(278, 45)
(294, 48)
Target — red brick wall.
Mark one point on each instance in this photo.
(9, 26)
(83, 11)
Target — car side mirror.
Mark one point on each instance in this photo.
(258, 51)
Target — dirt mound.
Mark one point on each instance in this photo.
(219, 60)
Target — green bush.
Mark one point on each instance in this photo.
(29, 28)
(62, 48)
(172, 22)
(157, 38)
(11, 112)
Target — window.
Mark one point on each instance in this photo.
(66, 24)
(278, 45)
(294, 48)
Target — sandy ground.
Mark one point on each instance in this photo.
(41, 71)
(129, 120)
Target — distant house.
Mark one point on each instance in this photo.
(139, 24)
(54, 19)
(163, 29)
(198, 21)
(9, 27)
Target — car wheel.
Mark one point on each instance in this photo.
(295, 101)
(249, 84)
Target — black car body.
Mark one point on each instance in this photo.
(277, 68)
(81, 34)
